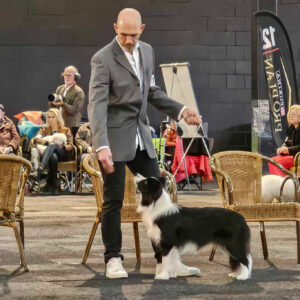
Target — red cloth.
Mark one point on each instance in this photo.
(286, 161)
(196, 165)
(33, 116)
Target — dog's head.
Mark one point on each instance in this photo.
(151, 189)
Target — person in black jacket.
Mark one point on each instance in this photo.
(291, 145)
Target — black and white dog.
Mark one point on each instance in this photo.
(175, 230)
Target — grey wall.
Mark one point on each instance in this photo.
(39, 37)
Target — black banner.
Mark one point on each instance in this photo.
(279, 69)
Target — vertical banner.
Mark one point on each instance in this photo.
(279, 68)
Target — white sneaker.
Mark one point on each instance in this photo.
(114, 268)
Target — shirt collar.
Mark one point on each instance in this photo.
(137, 45)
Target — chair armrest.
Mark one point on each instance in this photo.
(225, 180)
(296, 160)
(290, 175)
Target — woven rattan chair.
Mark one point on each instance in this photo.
(14, 171)
(296, 167)
(239, 178)
(128, 213)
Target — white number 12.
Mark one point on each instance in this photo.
(266, 32)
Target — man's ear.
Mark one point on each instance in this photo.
(116, 28)
(142, 28)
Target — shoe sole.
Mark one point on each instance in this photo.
(116, 276)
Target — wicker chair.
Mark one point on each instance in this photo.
(128, 213)
(296, 167)
(12, 173)
(239, 178)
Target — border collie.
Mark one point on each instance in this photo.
(175, 230)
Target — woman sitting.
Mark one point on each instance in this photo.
(291, 145)
(54, 143)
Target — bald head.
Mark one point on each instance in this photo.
(129, 27)
(129, 15)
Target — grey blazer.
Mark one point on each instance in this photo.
(116, 104)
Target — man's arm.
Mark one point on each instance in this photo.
(160, 100)
(97, 112)
(73, 109)
(15, 138)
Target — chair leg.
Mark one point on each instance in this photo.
(213, 252)
(91, 238)
(264, 240)
(20, 246)
(298, 240)
(22, 233)
(137, 241)
(80, 179)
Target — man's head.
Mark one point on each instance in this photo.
(129, 27)
(70, 75)
(2, 111)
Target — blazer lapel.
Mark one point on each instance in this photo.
(121, 58)
(143, 63)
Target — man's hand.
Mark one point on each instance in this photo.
(283, 150)
(190, 117)
(105, 158)
(59, 102)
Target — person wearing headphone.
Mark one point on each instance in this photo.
(70, 99)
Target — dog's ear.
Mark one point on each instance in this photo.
(155, 186)
(163, 180)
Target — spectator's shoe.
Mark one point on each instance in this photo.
(114, 268)
(55, 190)
(39, 172)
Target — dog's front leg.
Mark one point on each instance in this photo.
(165, 266)
(158, 257)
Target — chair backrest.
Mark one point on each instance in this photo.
(11, 170)
(91, 165)
(244, 170)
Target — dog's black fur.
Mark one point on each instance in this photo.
(199, 226)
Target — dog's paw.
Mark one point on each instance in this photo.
(232, 275)
(242, 277)
(188, 271)
(162, 276)
(172, 274)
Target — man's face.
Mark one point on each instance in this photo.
(128, 33)
(69, 77)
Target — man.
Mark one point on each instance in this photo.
(9, 137)
(121, 84)
(70, 99)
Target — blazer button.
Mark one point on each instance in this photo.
(138, 84)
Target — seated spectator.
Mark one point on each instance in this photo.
(170, 134)
(57, 149)
(9, 137)
(291, 145)
(84, 139)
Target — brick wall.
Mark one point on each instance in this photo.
(39, 37)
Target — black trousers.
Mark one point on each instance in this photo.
(52, 155)
(114, 185)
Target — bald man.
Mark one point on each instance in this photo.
(121, 85)
(71, 99)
